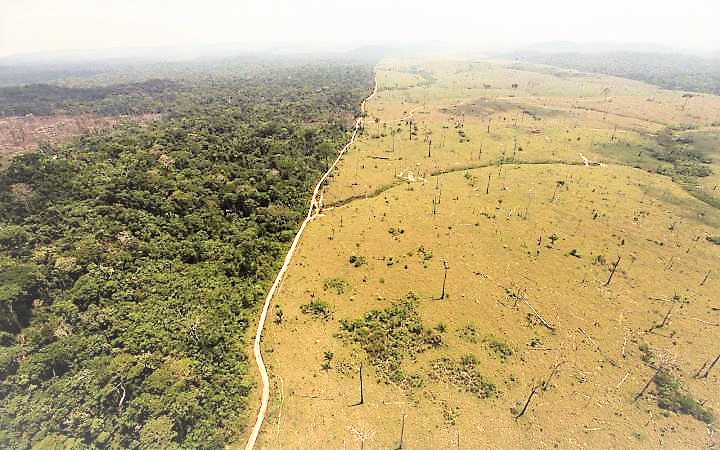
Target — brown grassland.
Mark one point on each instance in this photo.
(528, 235)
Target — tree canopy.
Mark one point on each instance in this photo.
(132, 260)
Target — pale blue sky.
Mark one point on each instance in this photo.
(33, 25)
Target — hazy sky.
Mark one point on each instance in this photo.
(32, 25)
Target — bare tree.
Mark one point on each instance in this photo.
(362, 435)
(446, 266)
(402, 432)
(665, 361)
(362, 390)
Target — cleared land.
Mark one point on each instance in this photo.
(23, 133)
(527, 185)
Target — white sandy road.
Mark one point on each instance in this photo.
(313, 211)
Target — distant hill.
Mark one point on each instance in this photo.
(667, 70)
(663, 65)
(599, 47)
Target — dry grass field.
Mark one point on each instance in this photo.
(476, 171)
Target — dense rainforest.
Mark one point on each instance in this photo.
(132, 260)
(669, 71)
(161, 88)
(152, 96)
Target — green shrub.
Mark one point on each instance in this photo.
(425, 254)
(671, 398)
(327, 358)
(357, 261)
(317, 308)
(338, 285)
(278, 315)
(390, 336)
(468, 333)
(500, 348)
(469, 360)
(463, 375)
(574, 252)
(647, 354)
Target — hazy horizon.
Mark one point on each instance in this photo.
(44, 25)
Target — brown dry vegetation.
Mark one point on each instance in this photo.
(529, 234)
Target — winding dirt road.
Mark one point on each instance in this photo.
(313, 211)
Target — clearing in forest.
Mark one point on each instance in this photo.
(546, 275)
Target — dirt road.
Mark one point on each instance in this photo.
(313, 211)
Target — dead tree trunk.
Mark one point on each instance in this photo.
(527, 403)
(705, 279)
(362, 396)
(613, 271)
(546, 384)
(700, 371)
(647, 385)
(442, 295)
(667, 316)
(707, 371)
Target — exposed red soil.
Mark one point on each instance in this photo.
(25, 132)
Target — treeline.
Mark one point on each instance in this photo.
(153, 96)
(180, 88)
(670, 71)
(132, 260)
